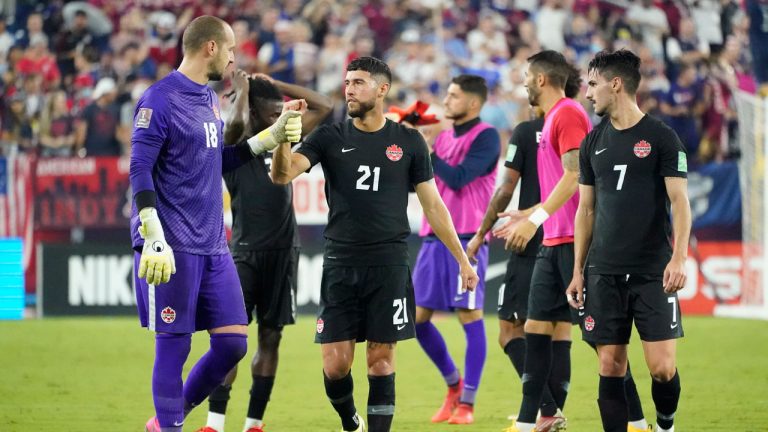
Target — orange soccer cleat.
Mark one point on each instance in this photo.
(152, 425)
(207, 429)
(464, 414)
(449, 404)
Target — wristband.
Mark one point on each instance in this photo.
(538, 216)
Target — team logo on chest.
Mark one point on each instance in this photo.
(216, 112)
(642, 149)
(394, 153)
(168, 315)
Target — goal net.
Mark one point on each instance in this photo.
(753, 142)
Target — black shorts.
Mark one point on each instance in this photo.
(513, 293)
(612, 302)
(366, 303)
(552, 274)
(269, 282)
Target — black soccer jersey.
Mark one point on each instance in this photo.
(368, 176)
(521, 157)
(632, 227)
(262, 212)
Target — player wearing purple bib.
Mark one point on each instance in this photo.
(464, 159)
(177, 158)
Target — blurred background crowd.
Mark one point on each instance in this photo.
(71, 72)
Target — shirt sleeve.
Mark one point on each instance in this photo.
(516, 148)
(312, 146)
(421, 166)
(151, 123)
(480, 160)
(586, 175)
(233, 156)
(571, 128)
(673, 159)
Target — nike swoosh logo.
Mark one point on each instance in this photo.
(581, 313)
(597, 152)
(458, 298)
(673, 326)
(344, 150)
(400, 327)
(177, 424)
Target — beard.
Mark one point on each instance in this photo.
(456, 115)
(213, 73)
(362, 109)
(533, 96)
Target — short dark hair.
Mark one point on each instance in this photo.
(472, 84)
(553, 65)
(260, 88)
(573, 84)
(81, 13)
(201, 30)
(373, 66)
(622, 63)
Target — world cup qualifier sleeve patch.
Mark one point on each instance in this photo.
(143, 117)
(682, 162)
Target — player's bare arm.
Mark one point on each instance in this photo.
(677, 191)
(237, 120)
(287, 165)
(524, 230)
(582, 238)
(499, 202)
(440, 220)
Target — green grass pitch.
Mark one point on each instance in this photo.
(94, 375)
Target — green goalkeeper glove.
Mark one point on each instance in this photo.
(287, 128)
(157, 262)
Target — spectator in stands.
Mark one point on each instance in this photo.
(137, 64)
(247, 49)
(304, 54)
(70, 41)
(57, 132)
(34, 27)
(97, 127)
(6, 40)
(579, 37)
(650, 22)
(550, 25)
(687, 47)
(758, 36)
(682, 105)
(331, 64)
(16, 132)
(277, 58)
(38, 60)
(487, 42)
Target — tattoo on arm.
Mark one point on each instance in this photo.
(571, 160)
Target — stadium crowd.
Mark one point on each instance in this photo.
(72, 72)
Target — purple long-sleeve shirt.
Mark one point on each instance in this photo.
(178, 153)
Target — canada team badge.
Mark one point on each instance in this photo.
(168, 315)
(320, 325)
(642, 149)
(394, 153)
(589, 323)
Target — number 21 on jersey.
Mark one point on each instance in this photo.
(211, 135)
(362, 182)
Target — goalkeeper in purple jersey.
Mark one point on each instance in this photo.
(177, 159)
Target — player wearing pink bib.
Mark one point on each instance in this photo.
(548, 328)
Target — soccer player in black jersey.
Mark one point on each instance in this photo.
(370, 165)
(632, 169)
(265, 240)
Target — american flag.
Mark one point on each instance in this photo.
(17, 202)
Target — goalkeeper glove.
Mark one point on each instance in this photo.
(287, 128)
(157, 262)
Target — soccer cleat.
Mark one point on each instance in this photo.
(449, 404)
(252, 429)
(464, 414)
(210, 429)
(512, 428)
(555, 423)
(360, 425)
(631, 428)
(152, 425)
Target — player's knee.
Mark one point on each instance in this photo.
(612, 364)
(336, 371)
(269, 340)
(662, 371)
(380, 366)
(231, 346)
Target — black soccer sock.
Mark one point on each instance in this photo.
(515, 350)
(538, 360)
(381, 402)
(340, 394)
(613, 404)
(560, 375)
(261, 389)
(633, 399)
(666, 396)
(217, 401)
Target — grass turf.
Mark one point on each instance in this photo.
(94, 374)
